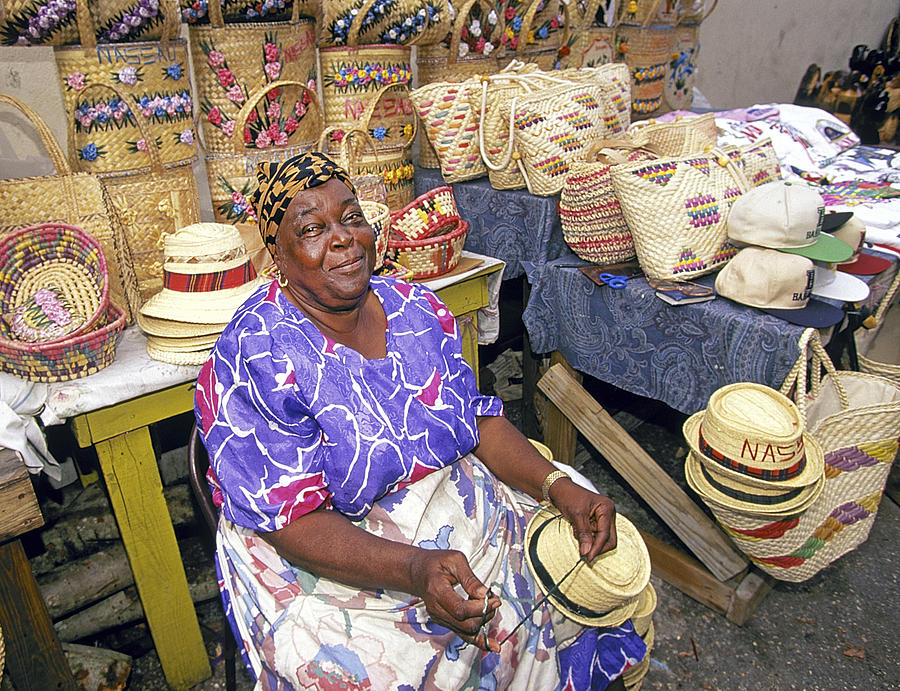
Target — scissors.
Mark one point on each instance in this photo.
(615, 281)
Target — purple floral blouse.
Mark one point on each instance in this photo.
(293, 420)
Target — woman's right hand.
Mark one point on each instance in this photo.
(433, 574)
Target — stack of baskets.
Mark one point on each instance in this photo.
(427, 235)
(57, 321)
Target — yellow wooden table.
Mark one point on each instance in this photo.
(121, 436)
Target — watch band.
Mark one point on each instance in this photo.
(548, 483)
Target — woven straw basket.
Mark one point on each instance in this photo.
(646, 12)
(232, 174)
(681, 137)
(761, 163)
(401, 22)
(429, 214)
(590, 44)
(53, 257)
(431, 256)
(379, 217)
(544, 31)
(154, 78)
(34, 23)
(149, 204)
(856, 419)
(647, 51)
(244, 11)
(234, 61)
(78, 199)
(677, 210)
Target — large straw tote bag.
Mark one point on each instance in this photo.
(25, 22)
(677, 210)
(400, 22)
(154, 78)
(450, 125)
(680, 137)
(855, 417)
(77, 199)
(149, 205)
(232, 175)
(233, 61)
(354, 77)
(647, 51)
(590, 44)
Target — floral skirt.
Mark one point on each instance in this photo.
(299, 631)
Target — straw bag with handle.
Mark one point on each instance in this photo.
(544, 31)
(149, 205)
(681, 137)
(855, 417)
(591, 44)
(78, 199)
(761, 163)
(153, 75)
(232, 174)
(233, 61)
(400, 22)
(677, 210)
(647, 12)
(681, 70)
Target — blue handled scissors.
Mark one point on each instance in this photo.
(614, 280)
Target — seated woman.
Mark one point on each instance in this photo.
(373, 502)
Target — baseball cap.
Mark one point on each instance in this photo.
(834, 284)
(785, 216)
(834, 220)
(779, 284)
(853, 232)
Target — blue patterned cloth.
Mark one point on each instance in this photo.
(511, 225)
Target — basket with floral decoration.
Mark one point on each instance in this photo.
(534, 31)
(397, 22)
(647, 51)
(233, 61)
(242, 11)
(53, 22)
(280, 120)
(153, 78)
(648, 12)
(592, 40)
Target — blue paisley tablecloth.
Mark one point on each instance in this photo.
(631, 339)
(511, 225)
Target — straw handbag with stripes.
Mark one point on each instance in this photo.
(78, 199)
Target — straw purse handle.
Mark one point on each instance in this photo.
(373, 103)
(796, 378)
(240, 122)
(459, 23)
(681, 15)
(217, 18)
(152, 148)
(590, 11)
(356, 24)
(54, 151)
(83, 19)
(528, 19)
(888, 298)
(345, 159)
(728, 163)
(495, 79)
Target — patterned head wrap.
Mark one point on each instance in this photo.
(279, 183)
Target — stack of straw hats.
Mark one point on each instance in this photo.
(642, 619)
(605, 592)
(751, 457)
(207, 274)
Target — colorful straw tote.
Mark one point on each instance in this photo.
(287, 109)
(647, 51)
(855, 417)
(680, 137)
(25, 22)
(589, 43)
(149, 205)
(429, 257)
(761, 163)
(233, 61)
(154, 78)
(400, 22)
(78, 199)
(543, 32)
(244, 11)
(677, 208)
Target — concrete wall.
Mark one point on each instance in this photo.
(757, 51)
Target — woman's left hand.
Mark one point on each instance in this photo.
(593, 517)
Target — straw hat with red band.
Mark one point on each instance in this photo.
(207, 274)
(754, 435)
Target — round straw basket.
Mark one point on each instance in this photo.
(429, 214)
(430, 257)
(234, 61)
(51, 258)
(355, 78)
(647, 52)
(401, 22)
(232, 174)
(66, 359)
(25, 22)
(378, 216)
(153, 77)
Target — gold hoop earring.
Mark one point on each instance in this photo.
(281, 280)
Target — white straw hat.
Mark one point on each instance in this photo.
(602, 593)
(207, 274)
(196, 357)
(172, 328)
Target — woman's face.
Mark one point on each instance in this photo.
(325, 248)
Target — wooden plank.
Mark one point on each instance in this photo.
(114, 420)
(703, 537)
(135, 491)
(559, 433)
(21, 511)
(751, 591)
(34, 656)
(682, 571)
